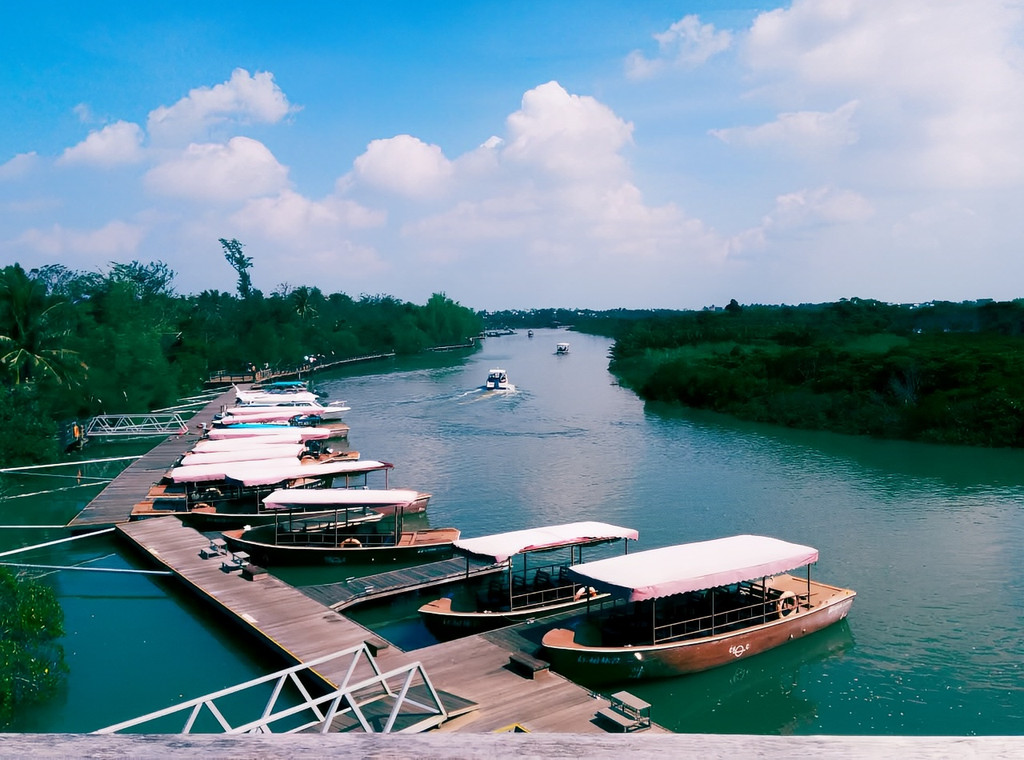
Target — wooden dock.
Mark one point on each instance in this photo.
(477, 669)
(114, 504)
(344, 594)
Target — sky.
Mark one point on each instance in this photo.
(576, 153)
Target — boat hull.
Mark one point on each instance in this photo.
(597, 665)
(445, 624)
(429, 545)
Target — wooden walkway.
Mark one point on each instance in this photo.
(476, 668)
(114, 504)
(343, 594)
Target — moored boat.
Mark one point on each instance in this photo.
(540, 586)
(497, 380)
(692, 607)
(341, 537)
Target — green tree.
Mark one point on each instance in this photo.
(32, 665)
(32, 336)
(240, 263)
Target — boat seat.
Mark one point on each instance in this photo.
(542, 579)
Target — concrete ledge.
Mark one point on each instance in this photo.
(486, 746)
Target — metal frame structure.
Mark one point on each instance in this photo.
(150, 423)
(349, 698)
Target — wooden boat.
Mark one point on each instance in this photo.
(384, 500)
(345, 536)
(693, 607)
(533, 590)
(497, 380)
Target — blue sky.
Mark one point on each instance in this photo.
(579, 154)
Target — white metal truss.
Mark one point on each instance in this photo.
(364, 700)
(152, 423)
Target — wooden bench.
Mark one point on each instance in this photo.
(217, 548)
(235, 561)
(627, 712)
(528, 665)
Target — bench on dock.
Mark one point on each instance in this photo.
(626, 712)
(217, 548)
(235, 561)
(528, 665)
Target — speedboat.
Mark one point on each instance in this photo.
(539, 586)
(561, 348)
(497, 380)
(691, 607)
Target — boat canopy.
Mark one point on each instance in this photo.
(289, 435)
(206, 473)
(269, 472)
(692, 567)
(249, 431)
(302, 497)
(269, 451)
(501, 546)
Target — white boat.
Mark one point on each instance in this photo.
(691, 607)
(497, 380)
(238, 432)
(538, 586)
(283, 411)
(561, 348)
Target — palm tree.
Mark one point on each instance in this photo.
(31, 335)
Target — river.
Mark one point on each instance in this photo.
(930, 537)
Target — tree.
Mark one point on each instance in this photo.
(31, 336)
(32, 665)
(240, 263)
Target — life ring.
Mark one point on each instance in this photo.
(351, 543)
(788, 603)
(202, 507)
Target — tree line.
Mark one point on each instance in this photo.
(74, 344)
(940, 372)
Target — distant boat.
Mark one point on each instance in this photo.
(562, 348)
(529, 333)
(497, 380)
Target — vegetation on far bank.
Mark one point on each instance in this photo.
(938, 372)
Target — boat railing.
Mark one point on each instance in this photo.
(742, 610)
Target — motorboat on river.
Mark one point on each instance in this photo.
(539, 586)
(497, 380)
(687, 608)
(561, 349)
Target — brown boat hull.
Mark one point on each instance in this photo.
(596, 664)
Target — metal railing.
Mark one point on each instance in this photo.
(151, 423)
(354, 697)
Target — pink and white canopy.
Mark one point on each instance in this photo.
(285, 498)
(251, 474)
(270, 451)
(691, 567)
(287, 435)
(252, 431)
(501, 546)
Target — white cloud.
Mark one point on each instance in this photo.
(243, 99)
(113, 145)
(568, 136)
(686, 44)
(404, 165)
(290, 216)
(114, 239)
(803, 131)
(243, 168)
(939, 86)
(18, 166)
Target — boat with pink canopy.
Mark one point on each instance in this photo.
(539, 586)
(687, 608)
(318, 433)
